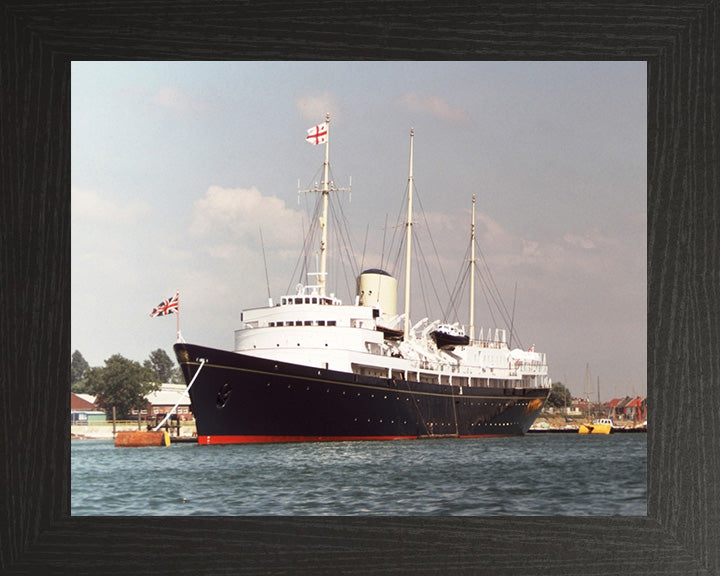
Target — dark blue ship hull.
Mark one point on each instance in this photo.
(239, 399)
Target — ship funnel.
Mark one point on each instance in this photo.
(376, 288)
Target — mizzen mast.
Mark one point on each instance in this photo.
(408, 240)
(471, 331)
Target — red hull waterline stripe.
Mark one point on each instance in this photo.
(265, 439)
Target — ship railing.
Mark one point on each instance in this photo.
(489, 377)
(533, 367)
(497, 344)
(444, 369)
(492, 338)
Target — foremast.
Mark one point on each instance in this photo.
(323, 219)
(320, 135)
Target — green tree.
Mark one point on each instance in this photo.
(78, 373)
(162, 367)
(559, 396)
(121, 383)
(177, 377)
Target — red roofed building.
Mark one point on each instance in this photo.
(636, 409)
(613, 408)
(83, 409)
(82, 402)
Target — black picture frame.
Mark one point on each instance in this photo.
(679, 42)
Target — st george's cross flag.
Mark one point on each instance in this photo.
(169, 306)
(317, 134)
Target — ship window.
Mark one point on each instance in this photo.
(321, 322)
(308, 323)
(332, 323)
(298, 300)
(314, 300)
(280, 324)
(271, 324)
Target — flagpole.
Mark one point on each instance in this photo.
(179, 336)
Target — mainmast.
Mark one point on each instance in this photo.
(323, 219)
(471, 331)
(408, 240)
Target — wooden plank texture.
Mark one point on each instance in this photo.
(679, 40)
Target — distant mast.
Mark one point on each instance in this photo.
(408, 241)
(323, 219)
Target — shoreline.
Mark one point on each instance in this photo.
(560, 425)
(105, 431)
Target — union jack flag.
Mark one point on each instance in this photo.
(169, 306)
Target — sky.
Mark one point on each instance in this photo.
(179, 168)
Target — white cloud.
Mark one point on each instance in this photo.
(433, 106)
(90, 205)
(593, 255)
(175, 99)
(582, 241)
(314, 107)
(531, 250)
(232, 215)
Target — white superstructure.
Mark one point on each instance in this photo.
(314, 329)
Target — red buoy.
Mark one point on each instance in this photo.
(140, 438)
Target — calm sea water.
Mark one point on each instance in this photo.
(539, 474)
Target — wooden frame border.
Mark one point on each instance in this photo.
(680, 535)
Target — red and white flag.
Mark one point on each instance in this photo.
(169, 306)
(317, 134)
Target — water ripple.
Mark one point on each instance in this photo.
(567, 475)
